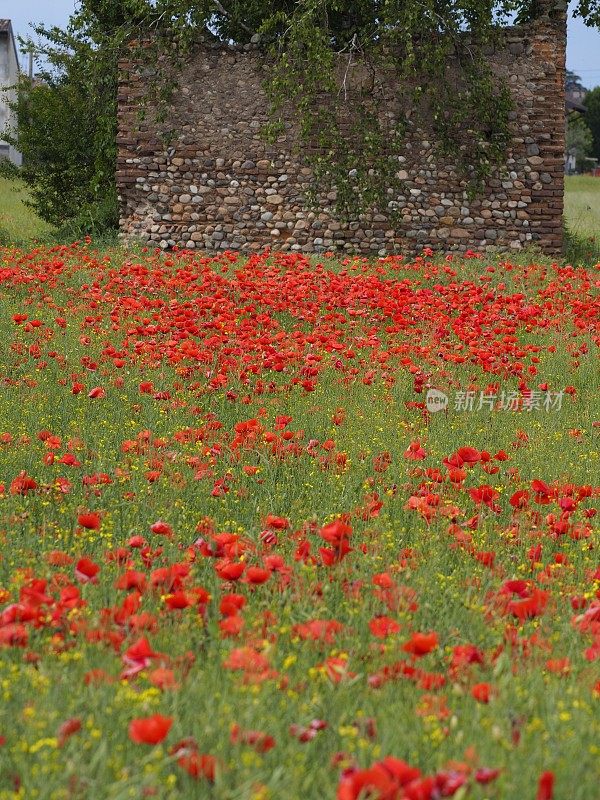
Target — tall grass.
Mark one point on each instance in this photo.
(582, 219)
(18, 222)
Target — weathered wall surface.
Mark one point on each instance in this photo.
(220, 186)
(9, 75)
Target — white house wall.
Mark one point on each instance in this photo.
(9, 72)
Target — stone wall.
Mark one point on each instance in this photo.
(220, 186)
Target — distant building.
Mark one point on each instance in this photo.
(9, 74)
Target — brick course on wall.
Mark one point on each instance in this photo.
(218, 185)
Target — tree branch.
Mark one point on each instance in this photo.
(226, 13)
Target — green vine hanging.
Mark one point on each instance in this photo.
(435, 53)
(332, 63)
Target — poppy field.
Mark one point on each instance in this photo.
(244, 556)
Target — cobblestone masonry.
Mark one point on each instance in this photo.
(220, 186)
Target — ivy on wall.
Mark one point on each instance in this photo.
(436, 49)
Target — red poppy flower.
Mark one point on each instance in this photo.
(89, 520)
(230, 571)
(520, 499)
(482, 692)
(199, 765)
(13, 635)
(150, 730)
(231, 604)
(231, 626)
(23, 484)
(319, 630)
(86, 570)
(247, 659)
(67, 729)
(278, 523)
(179, 600)
(132, 579)
(333, 556)
(545, 786)
(383, 626)
(421, 643)
(56, 558)
(467, 455)
(307, 734)
(161, 528)
(532, 605)
(259, 741)
(163, 678)
(374, 782)
(485, 775)
(383, 580)
(415, 452)
(138, 657)
(336, 533)
(136, 541)
(486, 495)
(257, 575)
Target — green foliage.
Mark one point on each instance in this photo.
(580, 249)
(66, 126)
(579, 141)
(59, 168)
(588, 11)
(573, 82)
(592, 118)
(97, 220)
(17, 219)
(4, 237)
(582, 206)
(8, 169)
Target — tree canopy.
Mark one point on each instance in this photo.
(592, 118)
(239, 20)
